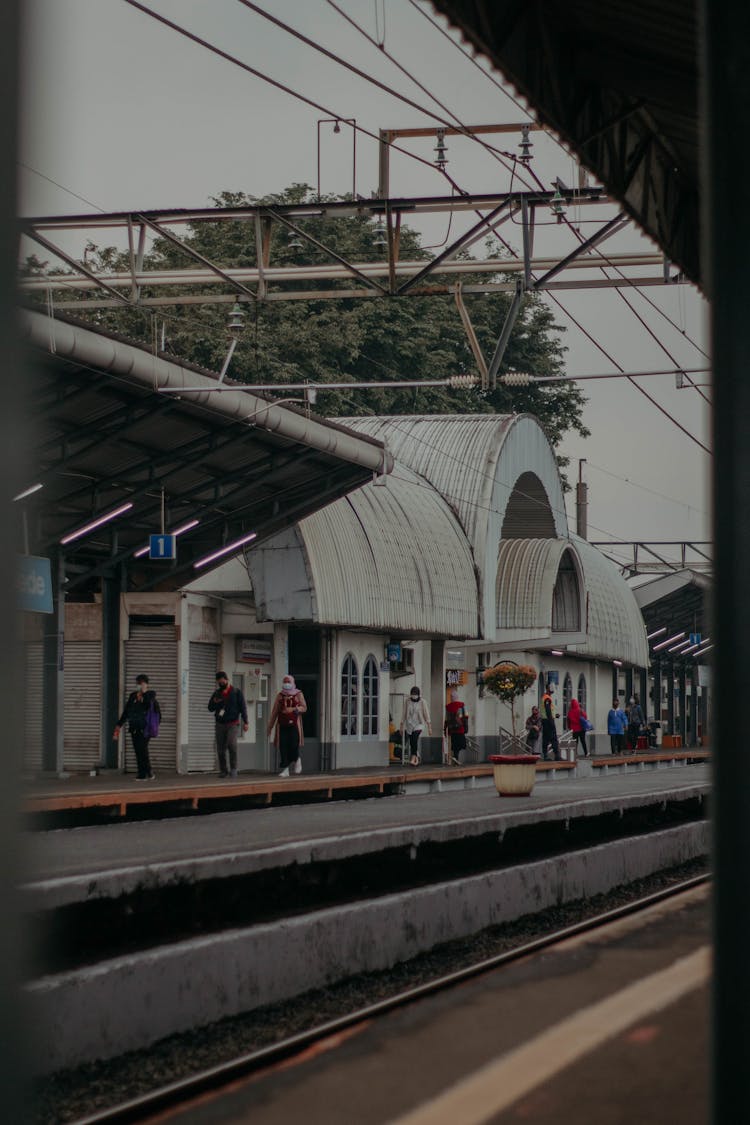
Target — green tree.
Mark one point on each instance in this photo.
(359, 340)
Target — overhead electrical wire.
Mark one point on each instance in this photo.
(645, 488)
(28, 167)
(516, 102)
(199, 41)
(556, 300)
(370, 78)
(286, 89)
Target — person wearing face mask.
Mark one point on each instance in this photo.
(415, 718)
(229, 707)
(136, 714)
(286, 716)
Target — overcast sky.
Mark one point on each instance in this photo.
(122, 113)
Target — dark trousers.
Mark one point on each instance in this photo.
(617, 743)
(549, 738)
(634, 729)
(581, 736)
(288, 745)
(413, 737)
(226, 739)
(140, 745)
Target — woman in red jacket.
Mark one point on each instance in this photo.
(576, 715)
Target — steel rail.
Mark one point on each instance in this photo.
(214, 1078)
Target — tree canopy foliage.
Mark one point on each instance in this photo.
(348, 340)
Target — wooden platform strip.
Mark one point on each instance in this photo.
(194, 795)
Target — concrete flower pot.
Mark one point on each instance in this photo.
(514, 774)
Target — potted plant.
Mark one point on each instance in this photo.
(515, 774)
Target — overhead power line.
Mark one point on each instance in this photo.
(324, 109)
(538, 182)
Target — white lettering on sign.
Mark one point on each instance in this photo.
(32, 584)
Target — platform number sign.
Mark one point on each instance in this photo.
(695, 638)
(162, 547)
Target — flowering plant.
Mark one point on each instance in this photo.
(507, 680)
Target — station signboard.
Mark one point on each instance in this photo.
(34, 584)
(162, 547)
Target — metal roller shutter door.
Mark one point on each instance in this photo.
(152, 649)
(201, 750)
(82, 705)
(34, 710)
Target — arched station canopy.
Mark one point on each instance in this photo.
(105, 436)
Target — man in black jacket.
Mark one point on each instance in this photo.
(228, 705)
(135, 713)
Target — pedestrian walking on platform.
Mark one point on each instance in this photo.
(456, 726)
(286, 716)
(229, 708)
(413, 721)
(549, 730)
(142, 713)
(636, 719)
(576, 725)
(617, 722)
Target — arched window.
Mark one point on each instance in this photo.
(370, 696)
(582, 691)
(349, 694)
(567, 696)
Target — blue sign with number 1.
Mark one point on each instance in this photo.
(162, 546)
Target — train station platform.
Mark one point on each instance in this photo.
(275, 890)
(108, 795)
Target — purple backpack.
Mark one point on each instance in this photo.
(151, 726)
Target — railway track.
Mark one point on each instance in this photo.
(209, 1082)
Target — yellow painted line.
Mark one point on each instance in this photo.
(496, 1086)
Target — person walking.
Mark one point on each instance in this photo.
(617, 722)
(576, 715)
(286, 716)
(413, 721)
(229, 707)
(533, 730)
(549, 730)
(141, 726)
(636, 719)
(456, 726)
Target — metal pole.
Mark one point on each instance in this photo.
(15, 445)
(582, 501)
(725, 230)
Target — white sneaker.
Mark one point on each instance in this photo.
(298, 766)
(285, 772)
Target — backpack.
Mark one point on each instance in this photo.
(151, 725)
(457, 721)
(287, 717)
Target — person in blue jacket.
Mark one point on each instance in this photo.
(617, 724)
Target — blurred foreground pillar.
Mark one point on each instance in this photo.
(725, 62)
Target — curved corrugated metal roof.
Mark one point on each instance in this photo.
(526, 575)
(475, 461)
(392, 557)
(616, 629)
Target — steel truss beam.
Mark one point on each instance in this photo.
(126, 287)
